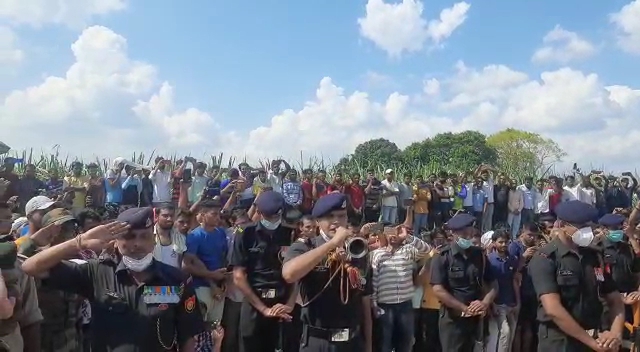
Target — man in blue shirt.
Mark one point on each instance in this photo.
(205, 259)
(504, 268)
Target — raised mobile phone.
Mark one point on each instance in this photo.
(186, 175)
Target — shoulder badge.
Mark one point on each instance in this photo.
(190, 304)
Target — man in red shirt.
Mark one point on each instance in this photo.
(307, 191)
(355, 199)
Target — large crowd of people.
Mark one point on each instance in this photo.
(183, 257)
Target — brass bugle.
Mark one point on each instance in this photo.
(356, 247)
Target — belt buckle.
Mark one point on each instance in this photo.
(341, 335)
(271, 293)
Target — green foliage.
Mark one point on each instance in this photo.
(517, 153)
(525, 153)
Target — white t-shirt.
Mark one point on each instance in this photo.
(161, 186)
(392, 200)
(589, 196)
(168, 255)
(487, 187)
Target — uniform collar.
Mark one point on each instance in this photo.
(455, 249)
(154, 269)
(324, 236)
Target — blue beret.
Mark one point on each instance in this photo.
(328, 203)
(611, 220)
(137, 218)
(576, 212)
(460, 221)
(269, 203)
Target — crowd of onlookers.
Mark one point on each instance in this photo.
(192, 234)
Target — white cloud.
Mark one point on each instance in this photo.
(400, 27)
(431, 87)
(562, 46)
(71, 13)
(627, 22)
(101, 100)
(10, 54)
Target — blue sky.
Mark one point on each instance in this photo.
(245, 62)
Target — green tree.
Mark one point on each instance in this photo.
(376, 152)
(522, 153)
(452, 151)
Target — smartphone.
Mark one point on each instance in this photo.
(186, 175)
(575, 166)
(407, 202)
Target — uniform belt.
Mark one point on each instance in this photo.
(336, 335)
(552, 326)
(269, 293)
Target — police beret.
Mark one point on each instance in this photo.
(611, 220)
(328, 203)
(8, 254)
(576, 212)
(460, 221)
(269, 203)
(57, 216)
(137, 218)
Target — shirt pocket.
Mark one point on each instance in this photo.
(569, 284)
(458, 277)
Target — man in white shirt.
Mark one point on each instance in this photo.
(487, 187)
(161, 178)
(529, 196)
(574, 188)
(390, 193)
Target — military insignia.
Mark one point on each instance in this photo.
(363, 281)
(190, 304)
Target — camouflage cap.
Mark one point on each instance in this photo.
(57, 216)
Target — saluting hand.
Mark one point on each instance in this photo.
(100, 236)
(45, 235)
(6, 303)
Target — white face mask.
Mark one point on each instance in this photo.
(270, 225)
(137, 265)
(583, 237)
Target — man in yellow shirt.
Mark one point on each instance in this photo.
(77, 183)
(421, 199)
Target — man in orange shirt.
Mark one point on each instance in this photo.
(421, 198)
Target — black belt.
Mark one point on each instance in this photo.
(335, 335)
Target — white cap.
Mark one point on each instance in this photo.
(38, 203)
(486, 238)
(19, 223)
(388, 171)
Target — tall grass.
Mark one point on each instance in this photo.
(46, 162)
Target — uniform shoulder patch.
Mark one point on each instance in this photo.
(190, 304)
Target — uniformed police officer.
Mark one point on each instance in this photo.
(621, 262)
(569, 278)
(336, 309)
(463, 283)
(137, 303)
(257, 265)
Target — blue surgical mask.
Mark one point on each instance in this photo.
(270, 225)
(615, 235)
(464, 243)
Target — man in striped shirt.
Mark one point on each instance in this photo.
(392, 276)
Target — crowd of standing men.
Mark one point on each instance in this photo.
(161, 259)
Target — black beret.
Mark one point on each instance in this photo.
(269, 203)
(460, 221)
(576, 212)
(137, 218)
(328, 203)
(611, 220)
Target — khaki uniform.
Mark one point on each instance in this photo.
(26, 311)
